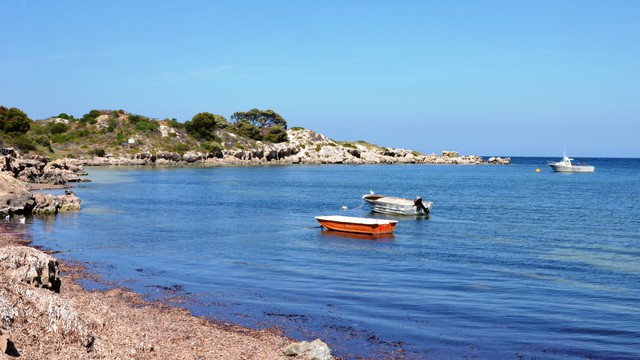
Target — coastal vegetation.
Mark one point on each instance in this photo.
(253, 137)
(118, 132)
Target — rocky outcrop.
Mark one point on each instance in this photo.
(28, 289)
(37, 169)
(48, 204)
(499, 161)
(18, 174)
(30, 266)
(15, 196)
(303, 147)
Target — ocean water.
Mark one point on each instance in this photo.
(511, 264)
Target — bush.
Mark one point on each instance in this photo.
(62, 138)
(24, 143)
(146, 126)
(43, 140)
(99, 152)
(90, 117)
(82, 133)
(276, 134)
(213, 147)
(246, 129)
(112, 125)
(175, 124)
(58, 127)
(180, 148)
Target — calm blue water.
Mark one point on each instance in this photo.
(511, 263)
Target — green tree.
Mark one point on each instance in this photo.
(263, 119)
(203, 126)
(14, 120)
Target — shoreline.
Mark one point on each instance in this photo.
(118, 322)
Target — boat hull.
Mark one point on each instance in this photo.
(357, 225)
(572, 168)
(396, 206)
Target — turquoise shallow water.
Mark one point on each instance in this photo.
(510, 264)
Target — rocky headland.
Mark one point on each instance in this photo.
(304, 147)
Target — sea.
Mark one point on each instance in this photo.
(511, 263)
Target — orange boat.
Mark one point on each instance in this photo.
(357, 224)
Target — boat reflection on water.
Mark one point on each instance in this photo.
(355, 236)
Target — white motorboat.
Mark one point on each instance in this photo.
(566, 165)
(397, 206)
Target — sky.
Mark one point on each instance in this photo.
(489, 78)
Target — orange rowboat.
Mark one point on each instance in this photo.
(357, 224)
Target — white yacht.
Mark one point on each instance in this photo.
(565, 165)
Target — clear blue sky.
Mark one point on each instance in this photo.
(509, 78)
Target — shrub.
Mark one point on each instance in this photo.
(181, 148)
(112, 125)
(90, 117)
(58, 127)
(146, 125)
(82, 133)
(246, 129)
(62, 138)
(99, 152)
(24, 143)
(213, 147)
(276, 134)
(43, 140)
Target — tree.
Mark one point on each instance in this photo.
(263, 119)
(203, 126)
(14, 120)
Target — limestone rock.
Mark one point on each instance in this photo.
(30, 266)
(15, 197)
(315, 350)
(50, 204)
(192, 156)
(319, 351)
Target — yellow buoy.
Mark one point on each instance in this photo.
(537, 169)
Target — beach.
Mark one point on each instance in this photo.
(114, 324)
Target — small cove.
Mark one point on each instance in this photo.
(509, 262)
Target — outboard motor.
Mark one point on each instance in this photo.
(419, 205)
